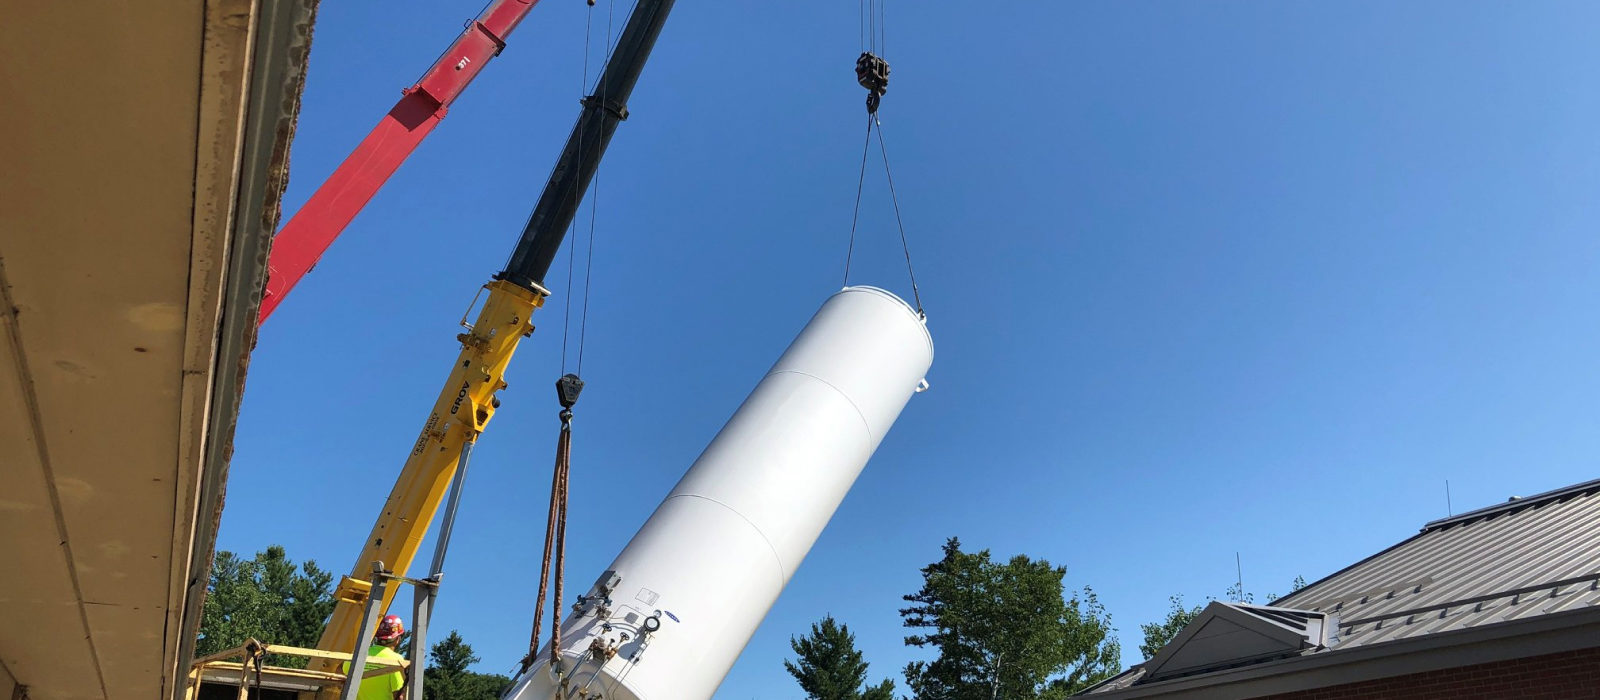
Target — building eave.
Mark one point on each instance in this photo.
(282, 47)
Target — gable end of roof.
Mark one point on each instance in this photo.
(1224, 635)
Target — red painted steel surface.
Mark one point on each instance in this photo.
(296, 248)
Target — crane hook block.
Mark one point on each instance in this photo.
(567, 389)
(872, 72)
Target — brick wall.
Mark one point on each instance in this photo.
(1565, 676)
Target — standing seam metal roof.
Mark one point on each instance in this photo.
(1526, 557)
(1519, 559)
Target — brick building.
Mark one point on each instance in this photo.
(1501, 602)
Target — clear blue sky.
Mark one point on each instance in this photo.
(1204, 278)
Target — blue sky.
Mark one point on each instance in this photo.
(1203, 278)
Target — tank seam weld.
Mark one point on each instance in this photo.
(783, 571)
(864, 422)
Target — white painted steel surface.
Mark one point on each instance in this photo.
(712, 559)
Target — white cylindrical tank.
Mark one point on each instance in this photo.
(709, 563)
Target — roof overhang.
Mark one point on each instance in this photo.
(144, 168)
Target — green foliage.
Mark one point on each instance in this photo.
(451, 655)
(267, 598)
(881, 691)
(1005, 630)
(1299, 583)
(448, 677)
(1157, 634)
(829, 666)
(1236, 593)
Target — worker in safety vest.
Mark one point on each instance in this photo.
(385, 686)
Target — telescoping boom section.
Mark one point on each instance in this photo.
(331, 208)
(468, 398)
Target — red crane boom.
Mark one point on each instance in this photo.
(302, 241)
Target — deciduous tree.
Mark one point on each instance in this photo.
(1157, 634)
(1005, 630)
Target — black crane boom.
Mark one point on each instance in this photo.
(602, 111)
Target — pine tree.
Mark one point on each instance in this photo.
(449, 675)
(267, 598)
(830, 668)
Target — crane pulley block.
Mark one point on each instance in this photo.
(567, 389)
(872, 72)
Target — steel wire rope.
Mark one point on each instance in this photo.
(894, 199)
(861, 22)
(594, 200)
(855, 216)
(572, 226)
(874, 27)
(883, 28)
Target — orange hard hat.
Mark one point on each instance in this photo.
(390, 629)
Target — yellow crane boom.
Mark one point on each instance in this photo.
(459, 415)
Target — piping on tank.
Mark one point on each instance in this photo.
(670, 615)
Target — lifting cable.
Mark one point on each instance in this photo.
(572, 226)
(872, 73)
(555, 534)
(552, 566)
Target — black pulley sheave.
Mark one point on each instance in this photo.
(872, 72)
(567, 389)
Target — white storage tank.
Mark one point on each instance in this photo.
(669, 617)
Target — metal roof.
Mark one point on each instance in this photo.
(1524, 558)
(1527, 557)
(1236, 634)
(1298, 620)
